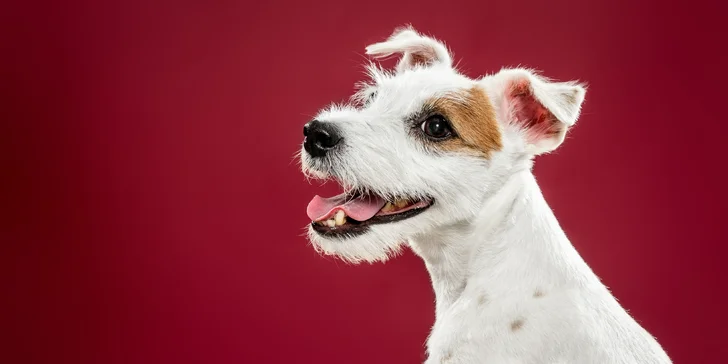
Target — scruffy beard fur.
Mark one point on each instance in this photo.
(510, 287)
(447, 186)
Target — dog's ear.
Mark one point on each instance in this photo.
(541, 109)
(416, 49)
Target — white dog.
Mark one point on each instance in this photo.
(432, 159)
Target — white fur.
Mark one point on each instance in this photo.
(510, 287)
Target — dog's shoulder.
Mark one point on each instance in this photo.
(567, 325)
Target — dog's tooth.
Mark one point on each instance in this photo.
(388, 207)
(331, 223)
(400, 203)
(340, 217)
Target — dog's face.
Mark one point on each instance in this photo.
(422, 147)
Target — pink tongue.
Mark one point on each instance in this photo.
(360, 209)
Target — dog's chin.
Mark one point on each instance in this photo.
(377, 244)
(363, 223)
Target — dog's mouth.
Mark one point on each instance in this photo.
(350, 214)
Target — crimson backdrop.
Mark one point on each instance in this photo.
(152, 211)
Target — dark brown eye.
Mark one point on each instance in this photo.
(436, 127)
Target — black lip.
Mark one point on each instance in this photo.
(354, 228)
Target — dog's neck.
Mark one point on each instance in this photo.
(514, 246)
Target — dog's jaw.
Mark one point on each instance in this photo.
(457, 185)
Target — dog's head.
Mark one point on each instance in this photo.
(422, 147)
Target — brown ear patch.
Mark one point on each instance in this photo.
(474, 121)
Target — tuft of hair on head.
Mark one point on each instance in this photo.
(417, 50)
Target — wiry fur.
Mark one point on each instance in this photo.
(510, 287)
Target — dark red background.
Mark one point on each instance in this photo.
(152, 211)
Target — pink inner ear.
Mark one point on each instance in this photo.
(419, 59)
(529, 113)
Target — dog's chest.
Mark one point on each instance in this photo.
(469, 331)
(478, 329)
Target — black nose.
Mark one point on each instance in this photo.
(320, 138)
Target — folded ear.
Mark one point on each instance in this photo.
(541, 109)
(416, 49)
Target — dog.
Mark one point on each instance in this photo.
(431, 159)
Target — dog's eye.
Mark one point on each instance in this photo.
(436, 127)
